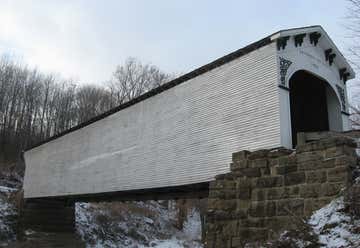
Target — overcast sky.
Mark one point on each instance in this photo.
(85, 40)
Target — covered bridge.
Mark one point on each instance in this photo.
(182, 134)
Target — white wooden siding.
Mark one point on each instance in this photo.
(184, 135)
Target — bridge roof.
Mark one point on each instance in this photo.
(205, 68)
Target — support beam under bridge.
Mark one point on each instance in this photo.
(190, 191)
(48, 220)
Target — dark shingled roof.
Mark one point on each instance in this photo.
(216, 63)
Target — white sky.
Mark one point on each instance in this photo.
(85, 40)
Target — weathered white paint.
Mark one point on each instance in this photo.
(285, 118)
(184, 135)
(334, 110)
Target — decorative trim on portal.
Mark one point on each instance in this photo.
(284, 66)
(341, 92)
(299, 38)
(282, 42)
(329, 56)
(314, 38)
(283, 87)
(343, 74)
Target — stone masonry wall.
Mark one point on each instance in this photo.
(45, 223)
(265, 189)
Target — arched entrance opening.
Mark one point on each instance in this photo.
(314, 105)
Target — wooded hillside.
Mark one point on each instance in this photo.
(36, 105)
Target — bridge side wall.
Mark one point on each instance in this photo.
(181, 136)
(265, 189)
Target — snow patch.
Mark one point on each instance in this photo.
(135, 225)
(4, 189)
(334, 226)
(192, 226)
(7, 216)
(173, 243)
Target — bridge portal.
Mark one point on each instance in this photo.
(314, 105)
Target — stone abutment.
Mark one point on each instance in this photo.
(267, 189)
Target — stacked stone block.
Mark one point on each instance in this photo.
(48, 223)
(268, 190)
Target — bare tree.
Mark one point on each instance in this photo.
(134, 78)
(91, 101)
(35, 106)
(353, 27)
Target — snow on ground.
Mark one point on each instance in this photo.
(189, 236)
(172, 243)
(334, 227)
(7, 213)
(135, 225)
(192, 226)
(5, 189)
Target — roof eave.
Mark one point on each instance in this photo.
(317, 28)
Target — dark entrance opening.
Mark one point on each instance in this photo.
(308, 104)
